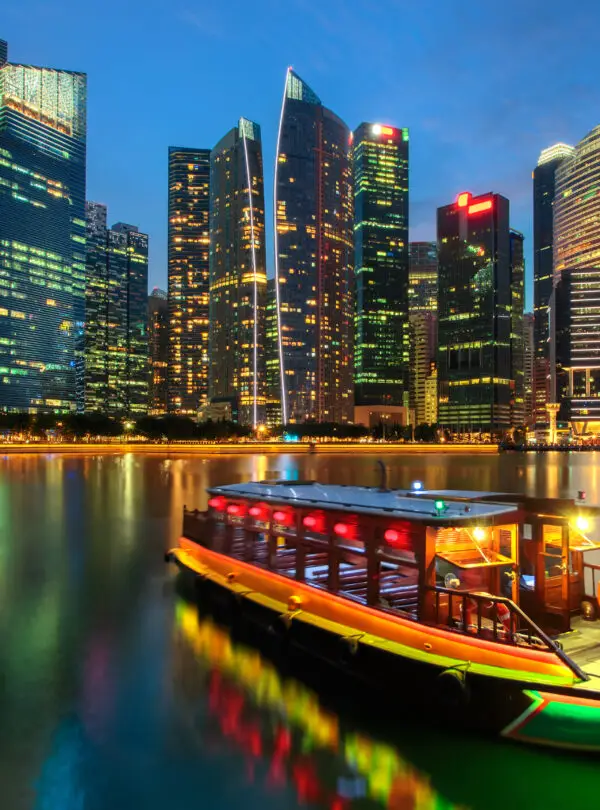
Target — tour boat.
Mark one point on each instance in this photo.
(478, 608)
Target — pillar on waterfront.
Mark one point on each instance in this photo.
(552, 408)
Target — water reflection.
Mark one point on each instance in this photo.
(92, 716)
(278, 721)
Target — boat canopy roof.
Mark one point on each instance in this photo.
(398, 504)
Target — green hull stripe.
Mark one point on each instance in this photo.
(568, 725)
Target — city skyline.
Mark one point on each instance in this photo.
(454, 145)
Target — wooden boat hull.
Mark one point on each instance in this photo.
(447, 677)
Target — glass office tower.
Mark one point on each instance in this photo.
(544, 185)
(189, 199)
(517, 335)
(381, 264)
(422, 312)
(474, 324)
(42, 237)
(314, 249)
(158, 341)
(238, 276)
(273, 408)
(116, 333)
(577, 265)
(422, 278)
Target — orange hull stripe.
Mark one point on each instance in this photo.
(369, 620)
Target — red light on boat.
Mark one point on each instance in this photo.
(233, 509)
(280, 517)
(392, 536)
(217, 503)
(310, 521)
(342, 529)
(476, 208)
(255, 511)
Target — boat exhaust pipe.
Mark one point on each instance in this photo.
(383, 473)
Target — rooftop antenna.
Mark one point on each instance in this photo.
(383, 480)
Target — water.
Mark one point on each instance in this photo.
(115, 694)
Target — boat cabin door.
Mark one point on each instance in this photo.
(553, 575)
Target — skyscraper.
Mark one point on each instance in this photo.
(423, 348)
(577, 265)
(422, 310)
(273, 407)
(42, 237)
(381, 351)
(544, 181)
(238, 277)
(423, 277)
(116, 333)
(158, 341)
(517, 347)
(474, 326)
(528, 366)
(189, 199)
(314, 249)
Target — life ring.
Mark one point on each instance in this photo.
(452, 689)
(503, 614)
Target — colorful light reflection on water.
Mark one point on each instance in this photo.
(280, 720)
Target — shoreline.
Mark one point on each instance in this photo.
(263, 448)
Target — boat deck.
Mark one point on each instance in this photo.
(582, 644)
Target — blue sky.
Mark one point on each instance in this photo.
(482, 86)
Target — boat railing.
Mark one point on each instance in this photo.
(194, 524)
(493, 617)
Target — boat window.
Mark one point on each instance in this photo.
(398, 585)
(351, 576)
(313, 561)
(283, 557)
(474, 547)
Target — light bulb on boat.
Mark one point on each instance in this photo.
(582, 523)
(479, 533)
(416, 486)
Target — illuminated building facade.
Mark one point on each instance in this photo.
(188, 257)
(422, 277)
(517, 347)
(381, 264)
(42, 237)
(431, 396)
(273, 406)
(158, 341)
(544, 184)
(423, 348)
(116, 314)
(314, 252)
(423, 334)
(474, 325)
(238, 278)
(528, 366)
(577, 265)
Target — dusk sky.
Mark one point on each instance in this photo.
(483, 87)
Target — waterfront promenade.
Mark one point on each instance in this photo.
(245, 448)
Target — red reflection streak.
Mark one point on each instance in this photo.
(228, 704)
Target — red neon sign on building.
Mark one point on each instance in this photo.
(463, 200)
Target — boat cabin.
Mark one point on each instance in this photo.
(494, 564)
